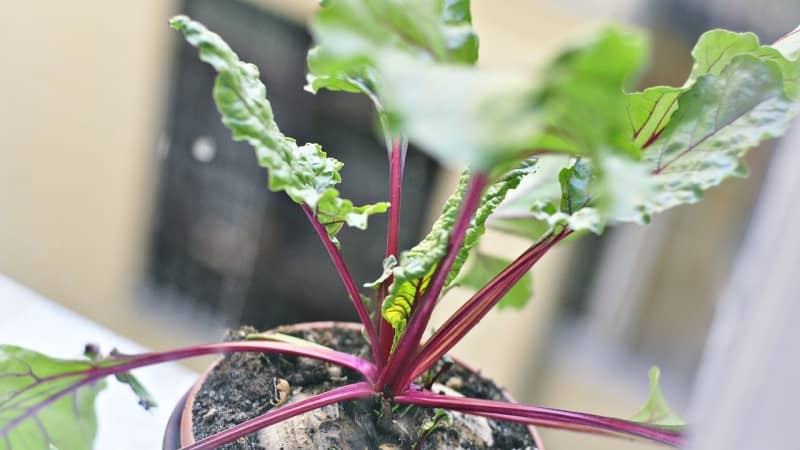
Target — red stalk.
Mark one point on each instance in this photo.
(396, 165)
(476, 308)
(340, 394)
(347, 279)
(546, 417)
(421, 314)
(127, 363)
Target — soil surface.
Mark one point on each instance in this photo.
(243, 386)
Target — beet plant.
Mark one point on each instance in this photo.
(575, 151)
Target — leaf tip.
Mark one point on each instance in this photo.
(179, 22)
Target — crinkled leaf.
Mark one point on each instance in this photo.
(44, 401)
(718, 120)
(350, 34)
(650, 110)
(412, 275)
(738, 95)
(656, 411)
(482, 268)
(491, 200)
(389, 263)
(304, 172)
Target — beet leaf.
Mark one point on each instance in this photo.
(304, 172)
(350, 34)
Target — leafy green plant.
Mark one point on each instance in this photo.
(576, 152)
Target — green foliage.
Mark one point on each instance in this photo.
(417, 265)
(738, 95)
(656, 411)
(686, 139)
(32, 415)
(492, 198)
(481, 118)
(483, 268)
(304, 172)
(351, 35)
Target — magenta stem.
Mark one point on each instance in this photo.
(476, 308)
(546, 417)
(423, 308)
(396, 163)
(340, 394)
(129, 362)
(347, 279)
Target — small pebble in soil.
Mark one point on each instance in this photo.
(454, 383)
(335, 372)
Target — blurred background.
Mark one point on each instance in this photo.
(124, 198)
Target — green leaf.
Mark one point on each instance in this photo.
(350, 34)
(718, 120)
(693, 137)
(412, 275)
(460, 115)
(656, 411)
(650, 110)
(582, 99)
(491, 200)
(389, 263)
(42, 401)
(483, 268)
(463, 115)
(304, 172)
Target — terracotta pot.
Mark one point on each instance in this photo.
(179, 431)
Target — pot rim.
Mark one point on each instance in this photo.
(185, 425)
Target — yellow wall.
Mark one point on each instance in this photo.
(82, 87)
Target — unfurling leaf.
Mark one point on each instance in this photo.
(482, 268)
(304, 172)
(412, 274)
(45, 401)
(656, 411)
(350, 34)
(389, 263)
(417, 265)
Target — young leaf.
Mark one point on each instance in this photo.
(351, 33)
(656, 411)
(492, 199)
(304, 172)
(45, 401)
(416, 266)
(485, 267)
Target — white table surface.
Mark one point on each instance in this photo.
(29, 320)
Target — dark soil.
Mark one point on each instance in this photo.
(242, 385)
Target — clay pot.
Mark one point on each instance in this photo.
(179, 431)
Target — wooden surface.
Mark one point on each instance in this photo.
(747, 393)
